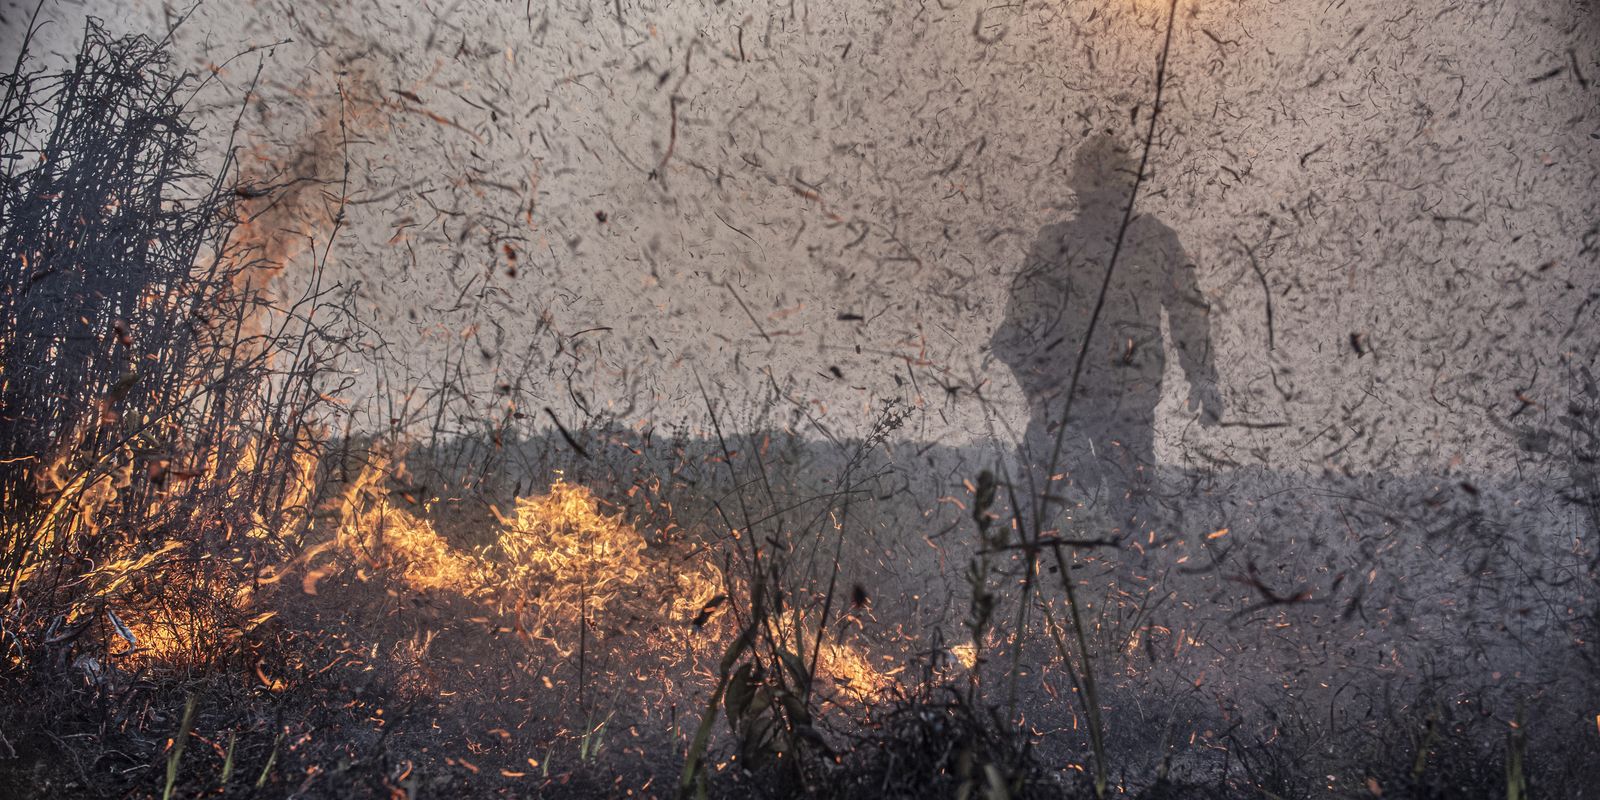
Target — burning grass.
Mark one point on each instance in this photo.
(564, 560)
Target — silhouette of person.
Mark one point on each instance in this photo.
(1108, 453)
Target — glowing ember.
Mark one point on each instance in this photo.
(965, 654)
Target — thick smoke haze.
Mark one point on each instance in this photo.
(756, 322)
(1391, 209)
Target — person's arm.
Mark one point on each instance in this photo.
(1189, 320)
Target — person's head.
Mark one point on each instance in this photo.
(1103, 163)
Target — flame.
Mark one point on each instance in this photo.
(558, 561)
(851, 671)
(560, 566)
(562, 560)
(159, 600)
(385, 535)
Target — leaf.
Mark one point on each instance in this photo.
(707, 610)
(255, 621)
(796, 667)
(177, 747)
(266, 771)
(757, 743)
(227, 764)
(692, 780)
(796, 709)
(997, 783)
(122, 630)
(740, 692)
(762, 702)
(735, 650)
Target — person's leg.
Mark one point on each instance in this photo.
(1031, 480)
(1135, 473)
(1067, 486)
(1127, 435)
(1102, 478)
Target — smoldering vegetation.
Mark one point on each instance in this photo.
(215, 584)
